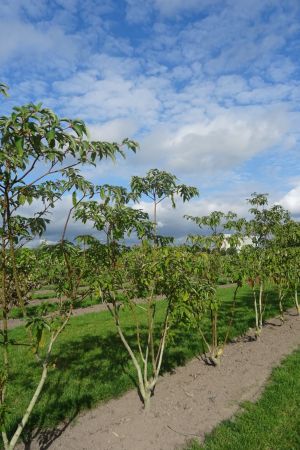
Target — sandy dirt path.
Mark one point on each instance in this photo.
(187, 404)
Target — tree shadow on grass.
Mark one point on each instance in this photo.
(82, 367)
(87, 371)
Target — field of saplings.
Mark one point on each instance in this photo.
(153, 304)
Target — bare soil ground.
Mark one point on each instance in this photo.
(187, 404)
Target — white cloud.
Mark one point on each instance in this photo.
(110, 98)
(291, 201)
(206, 86)
(58, 216)
(216, 144)
(115, 130)
(34, 43)
(171, 222)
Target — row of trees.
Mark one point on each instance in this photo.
(40, 159)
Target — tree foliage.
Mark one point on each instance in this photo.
(40, 157)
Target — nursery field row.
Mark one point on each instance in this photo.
(89, 365)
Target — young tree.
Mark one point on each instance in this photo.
(261, 230)
(286, 244)
(144, 275)
(211, 265)
(159, 185)
(39, 158)
(134, 279)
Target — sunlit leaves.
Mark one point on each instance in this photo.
(33, 131)
(159, 185)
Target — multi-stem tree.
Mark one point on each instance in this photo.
(39, 158)
(211, 263)
(134, 279)
(286, 257)
(256, 257)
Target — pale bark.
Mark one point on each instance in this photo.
(296, 301)
(29, 409)
(260, 307)
(280, 296)
(10, 445)
(257, 331)
(146, 384)
(134, 360)
(4, 308)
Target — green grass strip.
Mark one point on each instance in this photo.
(17, 313)
(273, 423)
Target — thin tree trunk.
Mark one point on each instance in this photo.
(4, 329)
(214, 332)
(256, 315)
(134, 360)
(16, 277)
(296, 301)
(232, 315)
(162, 346)
(260, 307)
(208, 347)
(146, 399)
(280, 305)
(29, 409)
(12, 443)
(155, 219)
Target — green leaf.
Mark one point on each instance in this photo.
(19, 146)
(22, 199)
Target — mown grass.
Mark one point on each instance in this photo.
(39, 294)
(273, 423)
(31, 311)
(90, 365)
(43, 296)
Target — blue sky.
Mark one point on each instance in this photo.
(210, 88)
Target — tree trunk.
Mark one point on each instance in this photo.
(257, 331)
(29, 409)
(280, 305)
(260, 307)
(155, 219)
(147, 398)
(296, 302)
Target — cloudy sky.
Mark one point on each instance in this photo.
(209, 88)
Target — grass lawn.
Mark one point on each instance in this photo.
(17, 313)
(90, 364)
(42, 296)
(273, 423)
